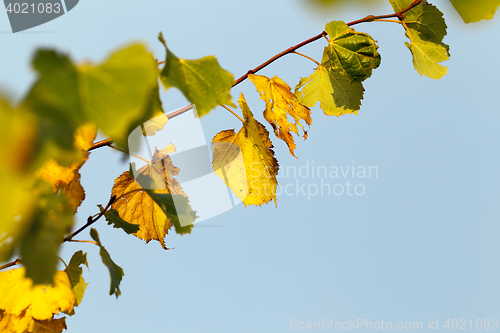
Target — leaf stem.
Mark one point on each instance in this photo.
(300, 54)
(228, 109)
(91, 220)
(15, 262)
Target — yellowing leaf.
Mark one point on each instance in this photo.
(281, 103)
(202, 81)
(74, 271)
(477, 10)
(336, 92)
(137, 207)
(85, 136)
(22, 303)
(254, 182)
(65, 179)
(426, 28)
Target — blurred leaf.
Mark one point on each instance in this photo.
(477, 10)
(203, 82)
(114, 219)
(252, 178)
(114, 95)
(50, 222)
(74, 271)
(115, 271)
(281, 103)
(24, 307)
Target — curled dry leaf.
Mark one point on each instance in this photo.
(281, 104)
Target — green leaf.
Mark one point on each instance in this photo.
(335, 91)
(477, 10)
(354, 52)
(426, 28)
(74, 271)
(202, 81)
(115, 271)
(114, 95)
(177, 208)
(114, 218)
(46, 229)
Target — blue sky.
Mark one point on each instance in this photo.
(420, 244)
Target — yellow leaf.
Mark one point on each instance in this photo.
(66, 179)
(280, 104)
(253, 181)
(137, 207)
(85, 136)
(22, 304)
(15, 324)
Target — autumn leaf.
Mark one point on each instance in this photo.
(74, 271)
(136, 206)
(113, 218)
(177, 209)
(281, 104)
(202, 81)
(336, 92)
(252, 179)
(115, 271)
(477, 10)
(24, 306)
(426, 28)
(351, 51)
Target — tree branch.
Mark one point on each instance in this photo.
(91, 220)
(15, 262)
(368, 18)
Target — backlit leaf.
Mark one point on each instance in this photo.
(336, 92)
(22, 303)
(202, 81)
(281, 104)
(137, 207)
(74, 271)
(115, 271)
(177, 209)
(426, 28)
(351, 51)
(114, 219)
(477, 10)
(253, 181)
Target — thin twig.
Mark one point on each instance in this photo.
(91, 220)
(15, 262)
